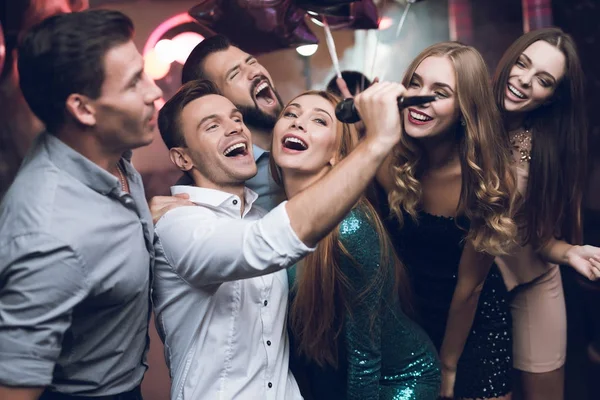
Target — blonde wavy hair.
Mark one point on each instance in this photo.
(488, 185)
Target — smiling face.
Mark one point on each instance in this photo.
(534, 77)
(306, 135)
(241, 78)
(434, 76)
(218, 144)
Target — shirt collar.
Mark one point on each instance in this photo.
(80, 167)
(258, 152)
(217, 198)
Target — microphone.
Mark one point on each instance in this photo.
(346, 112)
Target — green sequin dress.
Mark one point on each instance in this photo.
(391, 359)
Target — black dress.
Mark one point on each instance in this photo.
(431, 249)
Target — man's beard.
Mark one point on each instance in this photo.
(257, 118)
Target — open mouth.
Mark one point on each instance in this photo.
(513, 90)
(294, 143)
(417, 117)
(264, 95)
(236, 150)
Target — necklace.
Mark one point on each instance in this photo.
(521, 142)
(122, 178)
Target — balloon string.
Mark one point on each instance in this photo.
(403, 18)
(375, 53)
(376, 44)
(331, 48)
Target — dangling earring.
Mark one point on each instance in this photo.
(463, 122)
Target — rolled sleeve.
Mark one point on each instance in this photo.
(276, 231)
(42, 281)
(205, 250)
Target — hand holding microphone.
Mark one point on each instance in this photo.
(378, 109)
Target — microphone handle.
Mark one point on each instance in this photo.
(346, 111)
(404, 102)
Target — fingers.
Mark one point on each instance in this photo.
(378, 109)
(341, 84)
(383, 91)
(160, 205)
(595, 268)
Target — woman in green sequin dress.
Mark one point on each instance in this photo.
(351, 338)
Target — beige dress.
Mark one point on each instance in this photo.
(538, 307)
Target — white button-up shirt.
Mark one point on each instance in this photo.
(220, 296)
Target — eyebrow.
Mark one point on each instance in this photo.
(315, 109)
(438, 84)
(216, 116)
(207, 118)
(547, 74)
(237, 66)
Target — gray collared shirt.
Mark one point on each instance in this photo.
(270, 194)
(75, 270)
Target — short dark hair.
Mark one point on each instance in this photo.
(354, 80)
(64, 54)
(193, 69)
(169, 116)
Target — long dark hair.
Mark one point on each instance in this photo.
(323, 286)
(558, 166)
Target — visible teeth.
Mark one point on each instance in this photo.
(234, 147)
(420, 117)
(261, 87)
(515, 91)
(296, 140)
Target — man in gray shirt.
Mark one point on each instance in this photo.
(75, 232)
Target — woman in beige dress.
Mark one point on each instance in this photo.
(538, 86)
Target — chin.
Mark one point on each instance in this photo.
(416, 133)
(510, 107)
(142, 143)
(246, 173)
(247, 176)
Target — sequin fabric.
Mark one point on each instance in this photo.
(431, 249)
(393, 359)
(520, 143)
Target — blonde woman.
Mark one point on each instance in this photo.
(450, 190)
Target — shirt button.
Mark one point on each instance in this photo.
(270, 385)
(265, 303)
(235, 202)
(268, 342)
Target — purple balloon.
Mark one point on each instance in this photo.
(362, 15)
(255, 26)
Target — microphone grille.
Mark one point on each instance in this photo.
(346, 112)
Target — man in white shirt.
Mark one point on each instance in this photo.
(220, 289)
